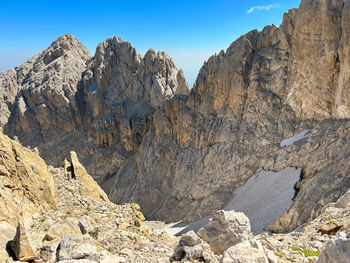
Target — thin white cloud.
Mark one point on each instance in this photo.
(262, 8)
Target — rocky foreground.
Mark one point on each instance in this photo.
(52, 214)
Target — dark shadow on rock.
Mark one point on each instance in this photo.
(9, 250)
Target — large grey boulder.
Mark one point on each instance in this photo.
(226, 229)
(337, 250)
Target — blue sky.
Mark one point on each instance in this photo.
(188, 30)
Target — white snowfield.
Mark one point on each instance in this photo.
(265, 196)
(297, 137)
(262, 199)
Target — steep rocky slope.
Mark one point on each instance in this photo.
(132, 122)
(48, 214)
(62, 215)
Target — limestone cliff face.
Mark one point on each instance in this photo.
(63, 100)
(40, 93)
(132, 122)
(318, 86)
(121, 91)
(265, 87)
(26, 184)
(201, 147)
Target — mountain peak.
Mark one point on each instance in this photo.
(62, 45)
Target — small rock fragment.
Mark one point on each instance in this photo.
(21, 246)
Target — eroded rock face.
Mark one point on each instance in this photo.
(213, 140)
(121, 91)
(26, 184)
(245, 101)
(318, 84)
(40, 93)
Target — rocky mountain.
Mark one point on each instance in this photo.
(266, 87)
(181, 153)
(62, 99)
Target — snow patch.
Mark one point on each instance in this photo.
(262, 199)
(295, 138)
(265, 196)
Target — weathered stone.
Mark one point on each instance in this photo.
(88, 227)
(75, 213)
(190, 239)
(27, 175)
(192, 248)
(7, 232)
(337, 250)
(250, 251)
(21, 246)
(331, 227)
(73, 247)
(226, 229)
(47, 254)
(58, 229)
(180, 155)
(88, 186)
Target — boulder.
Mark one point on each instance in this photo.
(7, 232)
(21, 246)
(191, 247)
(250, 251)
(58, 229)
(88, 227)
(226, 229)
(77, 248)
(88, 185)
(337, 250)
